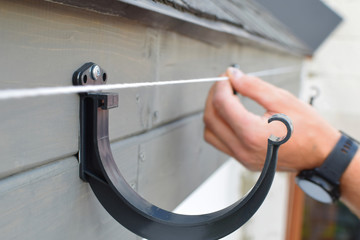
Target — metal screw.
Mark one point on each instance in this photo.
(133, 185)
(138, 99)
(95, 72)
(155, 115)
(142, 156)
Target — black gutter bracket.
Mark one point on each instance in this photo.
(98, 168)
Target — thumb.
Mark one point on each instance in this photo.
(266, 94)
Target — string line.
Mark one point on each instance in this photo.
(48, 91)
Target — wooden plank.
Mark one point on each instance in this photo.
(183, 58)
(51, 202)
(48, 42)
(43, 45)
(173, 165)
(59, 39)
(37, 131)
(156, 132)
(203, 21)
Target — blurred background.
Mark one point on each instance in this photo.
(334, 71)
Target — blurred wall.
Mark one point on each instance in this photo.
(335, 70)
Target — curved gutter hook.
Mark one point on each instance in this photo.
(98, 167)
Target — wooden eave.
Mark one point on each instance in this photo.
(211, 21)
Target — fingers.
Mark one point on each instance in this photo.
(231, 128)
(269, 96)
(213, 140)
(215, 125)
(232, 113)
(226, 103)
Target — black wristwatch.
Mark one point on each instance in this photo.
(323, 183)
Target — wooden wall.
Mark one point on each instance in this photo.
(156, 132)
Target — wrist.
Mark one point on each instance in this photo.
(350, 185)
(327, 144)
(323, 183)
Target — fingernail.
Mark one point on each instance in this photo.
(235, 73)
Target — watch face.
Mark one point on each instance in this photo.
(314, 191)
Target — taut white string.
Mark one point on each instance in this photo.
(48, 91)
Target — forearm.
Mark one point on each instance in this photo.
(350, 185)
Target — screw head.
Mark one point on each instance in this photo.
(138, 99)
(155, 115)
(142, 156)
(95, 72)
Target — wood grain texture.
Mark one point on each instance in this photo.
(204, 19)
(156, 133)
(174, 164)
(43, 43)
(51, 202)
(43, 46)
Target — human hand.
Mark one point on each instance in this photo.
(231, 128)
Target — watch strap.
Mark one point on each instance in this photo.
(338, 160)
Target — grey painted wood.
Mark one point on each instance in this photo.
(205, 19)
(42, 44)
(51, 202)
(36, 131)
(184, 58)
(156, 133)
(175, 164)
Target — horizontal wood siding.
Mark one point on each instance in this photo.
(156, 133)
(43, 44)
(51, 202)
